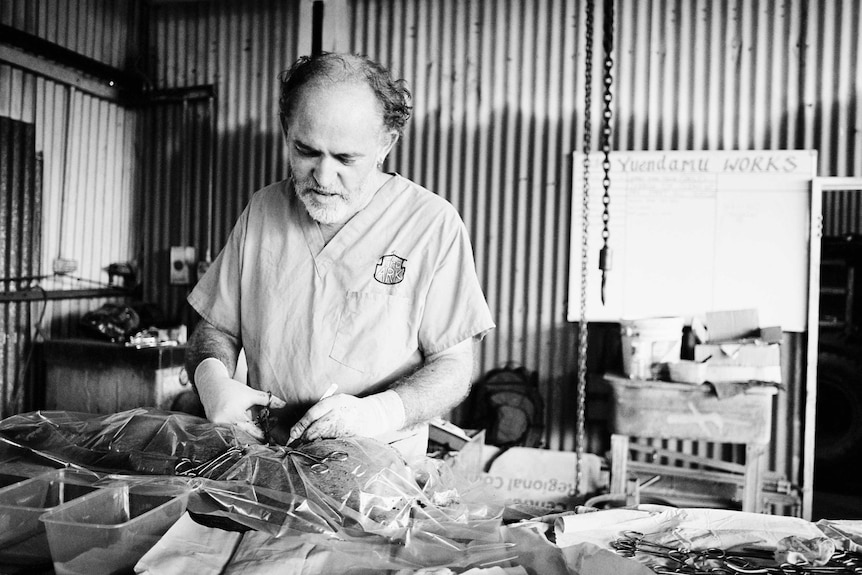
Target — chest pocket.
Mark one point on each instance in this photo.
(374, 332)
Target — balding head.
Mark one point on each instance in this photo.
(330, 69)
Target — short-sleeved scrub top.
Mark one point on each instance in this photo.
(395, 284)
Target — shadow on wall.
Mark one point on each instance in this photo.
(603, 356)
(177, 210)
(559, 390)
(509, 175)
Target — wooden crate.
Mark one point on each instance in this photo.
(100, 377)
(683, 411)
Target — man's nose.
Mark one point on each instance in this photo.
(325, 172)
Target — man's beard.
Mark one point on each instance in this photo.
(334, 204)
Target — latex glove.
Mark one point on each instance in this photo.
(229, 401)
(344, 415)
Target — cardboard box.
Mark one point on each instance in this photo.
(464, 447)
(732, 325)
(738, 350)
(742, 373)
(746, 361)
(771, 334)
(539, 477)
(752, 354)
(448, 434)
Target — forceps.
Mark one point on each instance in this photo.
(319, 466)
(186, 466)
(683, 560)
(631, 542)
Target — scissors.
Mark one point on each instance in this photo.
(319, 466)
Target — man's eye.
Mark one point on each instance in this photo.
(347, 161)
(304, 151)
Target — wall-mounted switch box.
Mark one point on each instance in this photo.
(182, 262)
(203, 266)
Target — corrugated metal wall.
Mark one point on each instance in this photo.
(498, 88)
(104, 30)
(239, 48)
(176, 177)
(20, 238)
(842, 213)
(87, 145)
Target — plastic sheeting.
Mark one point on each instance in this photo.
(356, 493)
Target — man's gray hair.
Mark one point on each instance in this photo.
(328, 67)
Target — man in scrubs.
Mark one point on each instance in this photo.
(342, 275)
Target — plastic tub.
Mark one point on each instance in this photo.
(7, 479)
(22, 535)
(649, 344)
(110, 530)
(18, 464)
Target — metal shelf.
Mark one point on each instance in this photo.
(42, 295)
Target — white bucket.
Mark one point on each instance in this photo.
(648, 344)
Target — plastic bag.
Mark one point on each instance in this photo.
(143, 440)
(369, 502)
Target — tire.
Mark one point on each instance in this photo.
(838, 427)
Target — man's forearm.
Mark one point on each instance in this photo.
(208, 341)
(437, 387)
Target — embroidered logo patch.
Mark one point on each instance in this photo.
(390, 270)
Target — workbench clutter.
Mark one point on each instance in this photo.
(735, 348)
(526, 481)
(339, 504)
(137, 325)
(659, 539)
(716, 384)
(670, 413)
(149, 490)
(726, 347)
(649, 345)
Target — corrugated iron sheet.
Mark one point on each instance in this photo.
(239, 49)
(499, 89)
(496, 92)
(20, 230)
(88, 214)
(104, 30)
(842, 213)
(177, 178)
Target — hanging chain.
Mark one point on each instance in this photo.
(580, 424)
(606, 255)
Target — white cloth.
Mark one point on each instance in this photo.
(189, 547)
(691, 528)
(397, 282)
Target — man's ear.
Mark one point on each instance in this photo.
(390, 139)
(283, 120)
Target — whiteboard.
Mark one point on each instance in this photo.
(693, 232)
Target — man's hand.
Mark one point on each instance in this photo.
(345, 415)
(229, 401)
